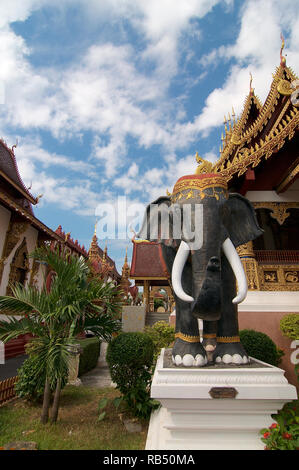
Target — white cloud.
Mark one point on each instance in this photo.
(256, 50)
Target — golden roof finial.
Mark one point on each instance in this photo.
(104, 258)
(282, 58)
(233, 115)
(251, 90)
(95, 227)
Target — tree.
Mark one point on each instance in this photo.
(55, 315)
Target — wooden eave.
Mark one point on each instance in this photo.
(9, 171)
(12, 205)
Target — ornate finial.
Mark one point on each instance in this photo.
(67, 236)
(251, 90)
(95, 227)
(38, 198)
(233, 116)
(282, 58)
(204, 165)
(15, 145)
(229, 123)
(224, 122)
(168, 193)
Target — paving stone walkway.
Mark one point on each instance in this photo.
(11, 366)
(100, 376)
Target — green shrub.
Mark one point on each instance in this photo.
(130, 358)
(260, 346)
(289, 325)
(90, 351)
(31, 381)
(162, 335)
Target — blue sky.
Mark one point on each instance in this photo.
(112, 98)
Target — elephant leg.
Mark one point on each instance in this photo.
(229, 348)
(209, 341)
(187, 349)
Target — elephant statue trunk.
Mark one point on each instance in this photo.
(208, 298)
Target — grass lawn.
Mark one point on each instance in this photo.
(77, 427)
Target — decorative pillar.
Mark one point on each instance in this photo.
(146, 292)
(250, 265)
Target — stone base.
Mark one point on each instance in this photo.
(77, 382)
(215, 408)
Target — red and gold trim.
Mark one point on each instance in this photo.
(200, 182)
(187, 338)
(209, 336)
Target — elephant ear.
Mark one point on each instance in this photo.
(240, 220)
(158, 220)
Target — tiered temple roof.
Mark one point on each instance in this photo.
(263, 141)
(11, 180)
(71, 243)
(101, 263)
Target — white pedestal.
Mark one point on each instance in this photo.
(190, 418)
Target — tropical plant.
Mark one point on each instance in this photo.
(54, 316)
(284, 433)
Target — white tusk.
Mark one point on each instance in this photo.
(177, 270)
(237, 267)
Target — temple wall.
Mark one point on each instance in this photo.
(262, 311)
(291, 195)
(5, 215)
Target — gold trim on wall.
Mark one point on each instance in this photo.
(279, 277)
(278, 209)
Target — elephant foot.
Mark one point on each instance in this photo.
(188, 354)
(230, 353)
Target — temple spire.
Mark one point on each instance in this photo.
(282, 58)
(251, 90)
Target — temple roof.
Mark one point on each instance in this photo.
(262, 131)
(69, 241)
(100, 261)
(147, 261)
(10, 173)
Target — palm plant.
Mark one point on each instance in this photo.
(55, 316)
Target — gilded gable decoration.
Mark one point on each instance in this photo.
(19, 267)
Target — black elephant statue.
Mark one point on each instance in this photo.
(199, 226)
